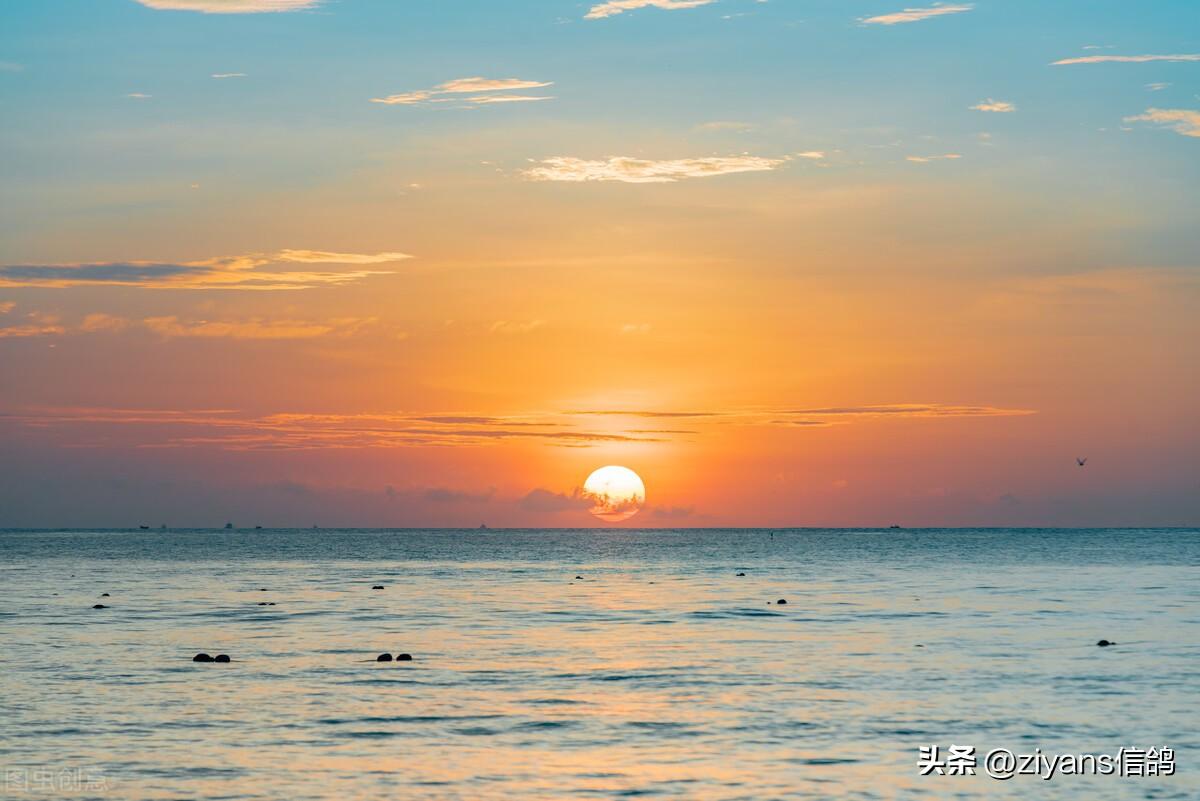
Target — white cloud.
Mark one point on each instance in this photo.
(815, 155)
(485, 99)
(230, 6)
(468, 86)
(614, 7)
(1126, 59)
(1181, 120)
(1000, 106)
(927, 159)
(139, 96)
(223, 75)
(644, 171)
(917, 14)
(477, 84)
(1156, 87)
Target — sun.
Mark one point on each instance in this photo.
(617, 493)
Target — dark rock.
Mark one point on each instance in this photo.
(741, 574)
(221, 658)
(377, 587)
(202, 658)
(1105, 643)
(384, 658)
(99, 606)
(104, 595)
(404, 657)
(781, 601)
(579, 577)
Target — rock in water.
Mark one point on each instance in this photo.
(781, 601)
(377, 587)
(221, 658)
(384, 658)
(202, 658)
(1105, 643)
(99, 606)
(404, 657)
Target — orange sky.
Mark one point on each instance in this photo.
(387, 314)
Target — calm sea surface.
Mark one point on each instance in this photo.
(659, 673)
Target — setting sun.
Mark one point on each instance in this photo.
(617, 493)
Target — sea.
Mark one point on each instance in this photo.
(600, 664)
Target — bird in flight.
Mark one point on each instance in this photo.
(1081, 462)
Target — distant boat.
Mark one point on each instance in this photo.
(257, 528)
(893, 525)
(143, 528)
(229, 525)
(483, 525)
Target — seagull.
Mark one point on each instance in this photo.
(1081, 462)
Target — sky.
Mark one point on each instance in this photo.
(431, 262)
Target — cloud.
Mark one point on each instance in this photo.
(927, 159)
(1181, 120)
(814, 155)
(139, 96)
(1157, 87)
(644, 171)
(230, 6)
(516, 327)
(231, 430)
(452, 496)
(229, 272)
(477, 84)
(255, 328)
(223, 75)
(7, 306)
(934, 410)
(38, 325)
(725, 125)
(917, 14)
(1000, 106)
(93, 323)
(614, 7)
(484, 99)
(543, 500)
(471, 86)
(11, 66)
(1125, 59)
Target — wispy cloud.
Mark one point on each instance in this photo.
(471, 86)
(254, 328)
(138, 96)
(812, 155)
(233, 430)
(230, 6)
(614, 7)
(7, 306)
(927, 159)
(516, 327)
(645, 171)
(11, 66)
(1000, 106)
(1157, 86)
(1125, 59)
(229, 272)
(485, 99)
(725, 125)
(224, 75)
(1181, 120)
(917, 14)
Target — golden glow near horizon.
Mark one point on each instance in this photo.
(617, 493)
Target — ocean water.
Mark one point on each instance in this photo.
(659, 673)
